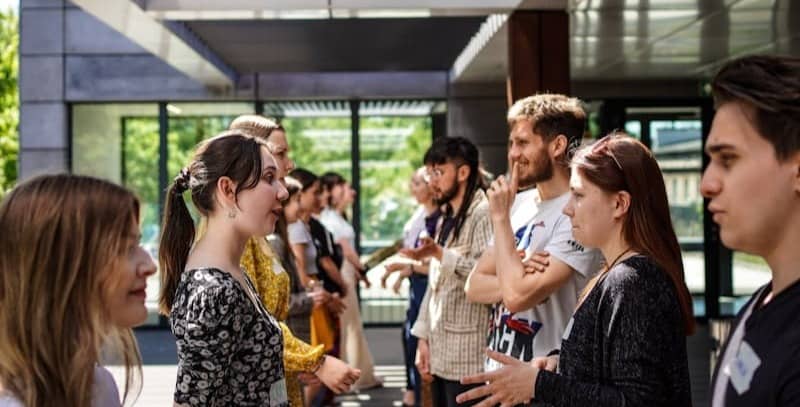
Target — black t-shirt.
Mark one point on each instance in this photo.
(769, 366)
(326, 247)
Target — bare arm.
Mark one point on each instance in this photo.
(482, 285)
(422, 268)
(300, 261)
(521, 290)
(350, 253)
(333, 272)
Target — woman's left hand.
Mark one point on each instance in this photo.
(508, 386)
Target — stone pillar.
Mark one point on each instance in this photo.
(478, 112)
(44, 145)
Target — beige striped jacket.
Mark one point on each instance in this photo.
(454, 327)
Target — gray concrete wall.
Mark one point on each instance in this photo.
(43, 112)
(478, 112)
(68, 56)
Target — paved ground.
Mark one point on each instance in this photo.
(158, 353)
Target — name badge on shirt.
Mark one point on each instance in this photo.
(743, 367)
(568, 329)
(277, 394)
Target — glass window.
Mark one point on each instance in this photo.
(677, 145)
(320, 144)
(391, 149)
(191, 123)
(750, 272)
(119, 142)
(634, 128)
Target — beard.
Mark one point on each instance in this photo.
(541, 170)
(447, 195)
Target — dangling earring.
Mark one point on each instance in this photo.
(231, 213)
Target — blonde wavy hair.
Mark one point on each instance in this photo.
(255, 125)
(62, 240)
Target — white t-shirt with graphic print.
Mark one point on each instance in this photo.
(538, 330)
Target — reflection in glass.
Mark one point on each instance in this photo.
(119, 142)
(677, 146)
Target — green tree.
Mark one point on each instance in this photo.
(9, 101)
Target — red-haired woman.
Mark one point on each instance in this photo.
(625, 344)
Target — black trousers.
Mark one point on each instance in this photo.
(445, 391)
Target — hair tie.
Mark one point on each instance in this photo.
(182, 180)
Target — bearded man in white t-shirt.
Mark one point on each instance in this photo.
(532, 302)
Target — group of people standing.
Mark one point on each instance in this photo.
(560, 283)
(572, 259)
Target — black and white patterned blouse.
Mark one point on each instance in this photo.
(230, 350)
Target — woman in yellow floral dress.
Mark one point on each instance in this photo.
(273, 285)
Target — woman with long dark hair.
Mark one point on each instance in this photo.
(625, 344)
(277, 283)
(230, 348)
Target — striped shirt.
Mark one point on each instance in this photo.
(454, 327)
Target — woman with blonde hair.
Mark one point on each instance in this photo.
(72, 279)
(273, 282)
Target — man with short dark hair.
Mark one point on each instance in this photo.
(753, 186)
(451, 330)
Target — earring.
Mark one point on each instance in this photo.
(232, 213)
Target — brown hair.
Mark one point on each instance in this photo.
(551, 115)
(619, 162)
(769, 86)
(232, 154)
(293, 186)
(62, 240)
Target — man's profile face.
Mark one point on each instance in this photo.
(529, 151)
(751, 192)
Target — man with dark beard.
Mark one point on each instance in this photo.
(451, 330)
(533, 302)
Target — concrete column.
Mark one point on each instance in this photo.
(478, 112)
(44, 145)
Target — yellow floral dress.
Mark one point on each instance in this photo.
(272, 283)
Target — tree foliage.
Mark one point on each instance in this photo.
(9, 101)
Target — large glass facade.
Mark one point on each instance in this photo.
(120, 143)
(391, 148)
(675, 137)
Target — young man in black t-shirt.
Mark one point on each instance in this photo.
(753, 186)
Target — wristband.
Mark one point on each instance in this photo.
(319, 365)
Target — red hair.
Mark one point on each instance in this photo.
(619, 162)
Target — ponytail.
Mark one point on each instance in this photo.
(177, 236)
(233, 154)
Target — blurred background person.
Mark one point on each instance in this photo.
(354, 347)
(421, 224)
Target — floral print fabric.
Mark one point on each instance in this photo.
(230, 350)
